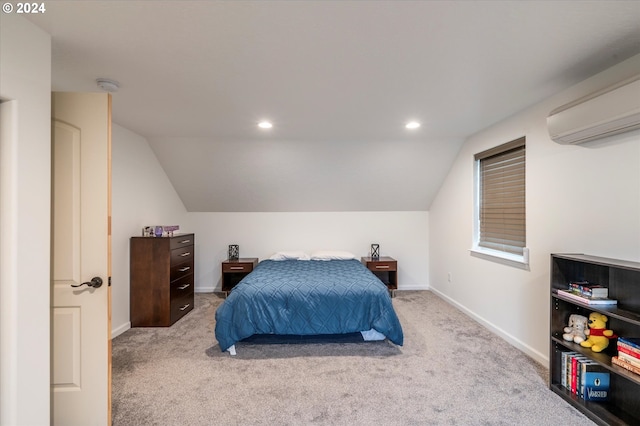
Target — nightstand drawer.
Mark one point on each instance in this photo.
(382, 266)
(182, 241)
(237, 267)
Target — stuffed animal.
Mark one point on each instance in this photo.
(575, 331)
(599, 336)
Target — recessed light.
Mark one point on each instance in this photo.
(412, 125)
(265, 125)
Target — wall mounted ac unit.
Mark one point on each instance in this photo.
(607, 112)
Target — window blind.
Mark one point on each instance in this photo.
(502, 197)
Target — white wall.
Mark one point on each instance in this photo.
(402, 235)
(25, 181)
(141, 195)
(580, 198)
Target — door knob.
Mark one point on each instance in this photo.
(95, 283)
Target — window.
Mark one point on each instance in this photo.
(500, 201)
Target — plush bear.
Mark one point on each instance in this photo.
(575, 331)
(599, 336)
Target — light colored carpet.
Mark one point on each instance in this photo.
(450, 371)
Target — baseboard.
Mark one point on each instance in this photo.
(205, 289)
(413, 287)
(115, 332)
(542, 359)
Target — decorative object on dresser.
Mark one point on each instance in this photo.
(234, 251)
(385, 268)
(375, 251)
(161, 279)
(234, 270)
(160, 231)
(614, 388)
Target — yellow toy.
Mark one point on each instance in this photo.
(598, 335)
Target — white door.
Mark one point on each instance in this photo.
(81, 338)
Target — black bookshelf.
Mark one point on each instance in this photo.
(623, 280)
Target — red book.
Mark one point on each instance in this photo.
(627, 350)
(576, 361)
(576, 366)
(631, 350)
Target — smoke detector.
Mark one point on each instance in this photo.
(108, 85)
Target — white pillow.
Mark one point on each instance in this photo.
(290, 255)
(332, 255)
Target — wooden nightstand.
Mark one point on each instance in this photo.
(385, 268)
(235, 270)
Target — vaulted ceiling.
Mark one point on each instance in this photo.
(338, 80)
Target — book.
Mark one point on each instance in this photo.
(631, 341)
(586, 300)
(584, 364)
(628, 349)
(565, 368)
(574, 368)
(629, 358)
(624, 364)
(588, 289)
(595, 382)
(576, 360)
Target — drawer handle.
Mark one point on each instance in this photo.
(235, 268)
(185, 241)
(182, 287)
(185, 254)
(382, 266)
(186, 268)
(185, 306)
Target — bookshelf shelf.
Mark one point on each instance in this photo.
(611, 311)
(623, 280)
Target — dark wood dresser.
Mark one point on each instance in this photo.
(161, 279)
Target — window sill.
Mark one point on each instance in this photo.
(501, 257)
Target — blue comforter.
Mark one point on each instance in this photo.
(297, 297)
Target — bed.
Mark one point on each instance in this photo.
(307, 298)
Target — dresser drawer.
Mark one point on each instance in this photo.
(237, 267)
(180, 306)
(182, 286)
(181, 255)
(178, 271)
(182, 241)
